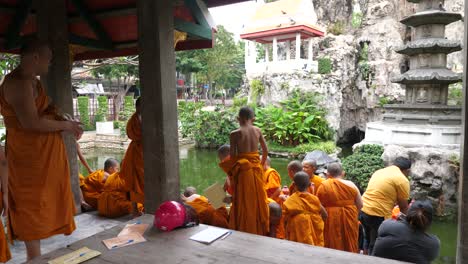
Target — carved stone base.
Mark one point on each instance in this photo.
(406, 114)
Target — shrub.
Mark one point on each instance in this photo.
(83, 109)
(187, 112)
(324, 65)
(126, 113)
(362, 164)
(455, 94)
(325, 146)
(212, 128)
(337, 28)
(258, 89)
(356, 19)
(103, 108)
(299, 120)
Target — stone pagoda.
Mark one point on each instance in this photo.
(424, 119)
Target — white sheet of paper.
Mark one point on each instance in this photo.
(215, 195)
(209, 235)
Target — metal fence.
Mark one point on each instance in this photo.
(93, 107)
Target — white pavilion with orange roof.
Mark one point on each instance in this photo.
(289, 21)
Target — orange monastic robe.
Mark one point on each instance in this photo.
(341, 227)
(5, 254)
(303, 222)
(272, 183)
(207, 214)
(226, 166)
(41, 201)
(316, 180)
(249, 211)
(127, 186)
(92, 187)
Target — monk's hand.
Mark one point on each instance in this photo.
(5, 204)
(74, 127)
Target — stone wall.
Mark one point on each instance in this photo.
(353, 97)
(434, 175)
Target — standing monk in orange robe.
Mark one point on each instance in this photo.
(249, 211)
(308, 166)
(124, 191)
(5, 254)
(93, 185)
(303, 214)
(342, 200)
(40, 197)
(207, 214)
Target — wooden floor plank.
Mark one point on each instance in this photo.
(175, 247)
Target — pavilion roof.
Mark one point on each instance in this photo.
(283, 19)
(107, 28)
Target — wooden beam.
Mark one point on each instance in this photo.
(193, 29)
(17, 22)
(197, 12)
(159, 103)
(87, 42)
(52, 27)
(93, 23)
(6, 9)
(462, 240)
(106, 14)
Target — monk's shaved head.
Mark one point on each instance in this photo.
(310, 162)
(295, 166)
(275, 209)
(109, 163)
(189, 191)
(32, 44)
(246, 113)
(223, 151)
(302, 181)
(334, 170)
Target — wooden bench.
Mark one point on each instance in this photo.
(175, 247)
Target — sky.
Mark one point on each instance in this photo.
(233, 17)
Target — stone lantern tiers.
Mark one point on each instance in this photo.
(424, 118)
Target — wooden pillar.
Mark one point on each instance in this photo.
(275, 49)
(462, 245)
(298, 46)
(53, 27)
(159, 104)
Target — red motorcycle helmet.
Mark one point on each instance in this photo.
(169, 216)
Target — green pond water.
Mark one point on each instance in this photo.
(199, 168)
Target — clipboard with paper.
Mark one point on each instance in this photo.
(215, 194)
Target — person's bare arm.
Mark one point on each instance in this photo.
(82, 159)
(233, 144)
(264, 147)
(323, 213)
(403, 204)
(358, 200)
(4, 181)
(276, 194)
(21, 97)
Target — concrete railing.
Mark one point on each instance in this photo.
(282, 66)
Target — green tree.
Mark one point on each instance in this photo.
(7, 63)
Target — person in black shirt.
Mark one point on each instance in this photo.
(407, 239)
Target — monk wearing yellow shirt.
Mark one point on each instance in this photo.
(207, 214)
(41, 203)
(342, 200)
(93, 185)
(303, 214)
(249, 211)
(385, 188)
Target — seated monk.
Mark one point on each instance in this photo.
(123, 192)
(273, 189)
(303, 214)
(92, 186)
(342, 200)
(4, 250)
(276, 220)
(294, 167)
(207, 214)
(309, 167)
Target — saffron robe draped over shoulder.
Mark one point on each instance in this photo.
(5, 254)
(127, 186)
(341, 227)
(249, 211)
(303, 222)
(92, 187)
(41, 202)
(272, 184)
(207, 214)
